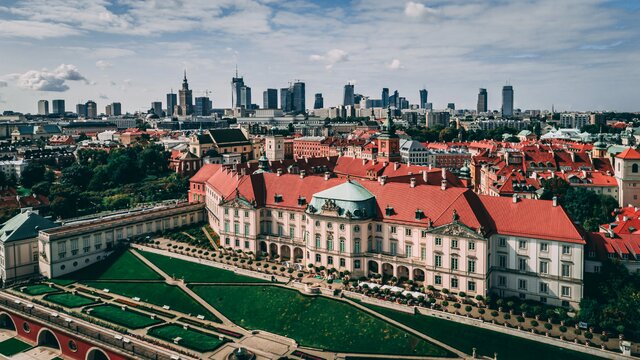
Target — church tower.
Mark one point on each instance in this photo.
(388, 141)
(627, 173)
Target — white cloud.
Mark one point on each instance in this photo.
(331, 57)
(103, 96)
(417, 10)
(3, 84)
(111, 53)
(55, 80)
(394, 64)
(34, 29)
(103, 64)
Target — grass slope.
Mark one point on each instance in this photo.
(466, 337)
(192, 339)
(156, 293)
(313, 321)
(69, 300)
(39, 289)
(194, 272)
(118, 266)
(128, 318)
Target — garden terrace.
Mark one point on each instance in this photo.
(485, 341)
(128, 318)
(156, 293)
(316, 322)
(145, 308)
(194, 272)
(121, 265)
(190, 338)
(39, 289)
(69, 300)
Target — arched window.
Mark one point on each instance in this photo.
(317, 241)
(342, 245)
(634, 168)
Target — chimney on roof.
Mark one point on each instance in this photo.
(302, 174)
(327, 175)
(279, 172)
(625, 218)
(443, 184)
(515, 198)
(364, 161)
(396, 166)
(425, 176)
(412, 182)
(383, 179)
(573, 156)
(385, 163)
(243, 171)
(555, 201)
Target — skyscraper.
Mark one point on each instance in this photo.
(58, 107)
(245, 97)
(349, 99)
(43, 107)
(203, 106)
(424, 94)
(116, 109)
(385, 97)
(91, 109)
(107, 110)
(451, 106)
(81, 110)
(298, 98)
(172, 101)
(237, 83)
(319, 101)
(286, 100)
(270, 99)
(156, 106)
(394, 100)
(507, 100)
(186, 100)
(482, 101)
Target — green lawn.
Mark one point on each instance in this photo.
(128, 318)
(192, 339)
(194, 272)
(39, 289)
(62, 282)
(69, 300)
(487, 342)
(118, 266)
(156, 293)
(13, 346)
(316, 322)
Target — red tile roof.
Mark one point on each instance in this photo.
(629, 154)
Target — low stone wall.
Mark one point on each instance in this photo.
(377, 302)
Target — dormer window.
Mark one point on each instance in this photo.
(419, 214)
(277, 198)
(301, 201)
(388, 210)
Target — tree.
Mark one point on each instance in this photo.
(76, 175)
(42, 188)
(32, 174)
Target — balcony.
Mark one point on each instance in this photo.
(282, 239)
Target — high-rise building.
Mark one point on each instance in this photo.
(116, 109)
(156, 107)
(237, 83)
(319, 101)
(172, 101)
(349, 99)
(81, 110)
(482, 101)
(58, 107)
(424, 94)
(270, 99)
(43, 107)
(203, 106)
(286, 100)
(186, 100)
(394, 100)
(108, 110)
(298, 98)
(385, 97)
(507, 100)
(451, 106)
(91, 109)
(245, 97)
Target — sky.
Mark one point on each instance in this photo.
(572, 54)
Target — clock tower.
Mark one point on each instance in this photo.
(388, 141)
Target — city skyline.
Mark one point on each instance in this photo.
(115, 52)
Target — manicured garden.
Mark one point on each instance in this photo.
(190, 338)
(119, 266)
(316, 322)
(39, 289)
(128, 318)
(69, 300)
(487, 342)
(156, 293)
(13, 346)
(194, 272)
